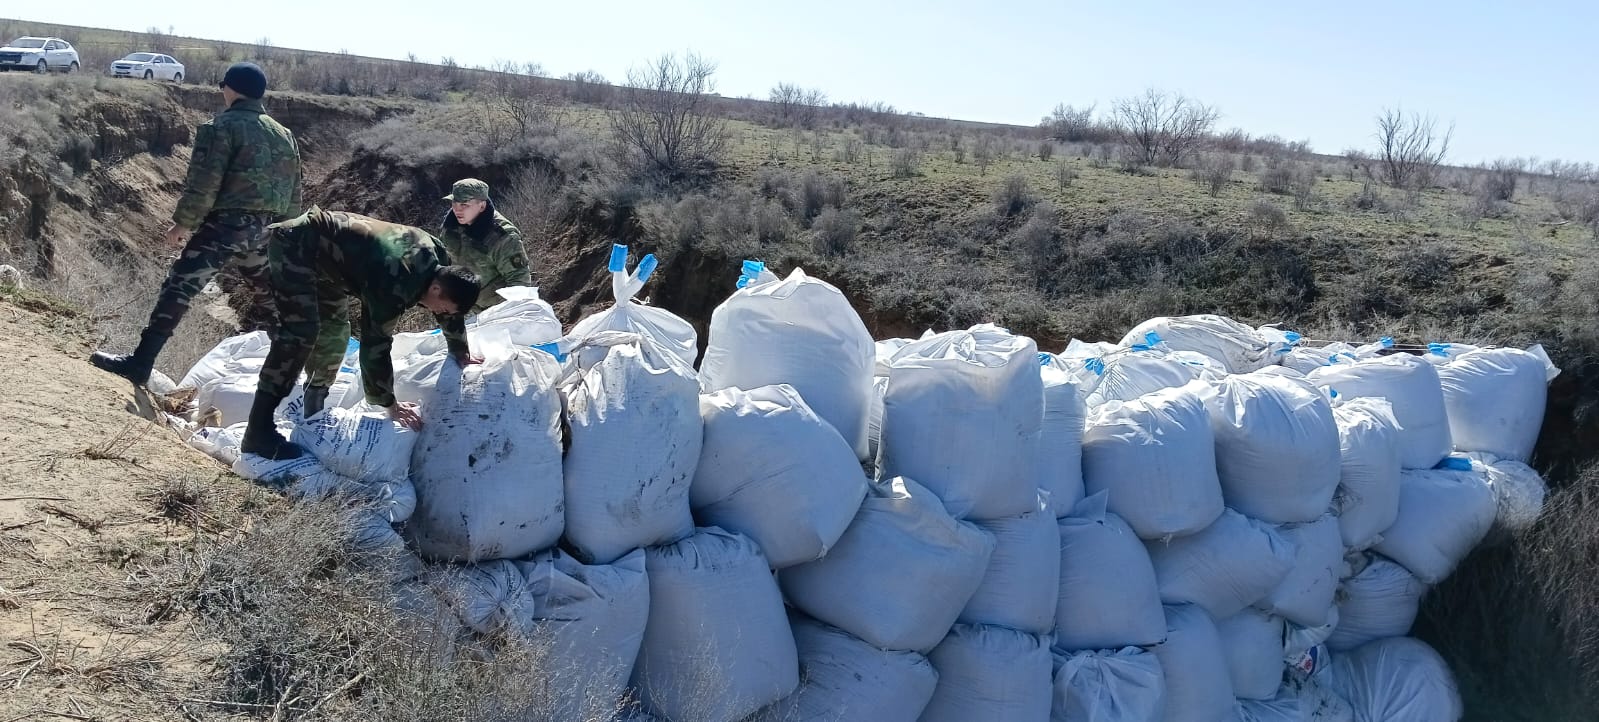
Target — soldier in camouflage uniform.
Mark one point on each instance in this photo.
(244, 174)
(481, 239)
(320, 260)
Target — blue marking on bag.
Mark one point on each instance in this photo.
(618, 258)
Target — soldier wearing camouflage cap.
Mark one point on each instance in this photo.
(244, 173)
(481, 239)
(319, 261)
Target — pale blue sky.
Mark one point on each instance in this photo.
(1517, 79)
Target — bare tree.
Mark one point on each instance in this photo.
(588, 87)
(1069, 125)
(665, 121)
(518, 95)
(796, 105)
(983, 153)
(1157, 128)
(1409, 148)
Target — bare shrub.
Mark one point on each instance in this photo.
(1265, 219)
(796, 105)
(1065, 174)
(833, 232)
(666, 124)
(907, 162)
(1286, 177)
(1367, 198)
(588, 86)
(852, 150)
(1071, 125)
(1014, 195)
(1046, 150)
(1157, 128)
(519, 96)
(1410, 148)
(1214, 171)
(1038, 240)
(986, 148)
(1500, 182)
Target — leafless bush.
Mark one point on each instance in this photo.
(666, 124)
(1280, 176)
(588, 87)
(520, 97)
(1368, 198)
(1234, 140)
(1410, 149)
(1014, 195)
(1266, 219)
(907, 162)
(852, 149)
(1046, 150)
(795, 105)
(986, 148)
(833, 232)
(1157, 128)
(1213, 171)
(1038, 239)
(1072, 125)
(1500, 182)
(1065, 174)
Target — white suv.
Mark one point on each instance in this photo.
(150, 66)
(39, 55)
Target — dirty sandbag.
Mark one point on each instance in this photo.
(487, 596)
(527, 319)
(1306, 595)
(844, 678)
(394, 501)
(1019, 589)
(1443, 514)
(962, 417)
(363, 443)
(226, 358)
(1060, 439)
(1379, 601)
(1125, 376)
(1298, 701)
(221, 444)
(1495, 399)
(660, 326)
(285, 473)
(1252, 642)
(1232, 564)
(1125, 685)
(900, 575)
(487, 462)
(1411, 385)
(1397, 680)
(1368, 483)
(1241, 348)
(991, 674)
(1109, 597)
(1519, 492)
(1276, 447)
(799, 331)
(634, 420)
(1198, 686)
(771, 469)
(718, 646)
(1156, 456)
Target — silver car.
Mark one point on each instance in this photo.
(39, 55)
(150, 66)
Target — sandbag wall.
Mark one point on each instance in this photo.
(1205, 521)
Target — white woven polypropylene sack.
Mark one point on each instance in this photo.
(1397, 680)
(1198, 685)
(1232, 564)
(962, 417)
(1020, 587)
(1276, 447)
(1252, 642)
(771, 469)
(802, 332)
(1443, 515)
(1060, 439)
(666, 330)
(1128, 376)
(1379, 601)
(392, 501)
(1125, 685)
(900, 575)
(1241, 348)
(990, 674)
(1297, 701)
(1495, 399)
(1306, 595)
(1109, 597)
(844, 678)
(362, 444)
(1519, 492)
(226, 357)
(487, 463)
(1411, 385)
(635, 428)
(874, 421)
(1156, 456)
(1368, 482)
(528, 319)
(221, 444)
(718, 646)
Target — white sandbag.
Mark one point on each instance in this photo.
(230, 396)
(487, 596)
(1443, 515)
(799, 331)
(1495, 399)
(718, 646)
(1198, 685)
(844, 678)
(874, 419)
(1252, 642)
(487, 462)
(1240, 347)
(365, 445)
(962, 417)
(393, 501)
(1232, 564)
(1060, 439)
(1282, 371)
(1019, 589)
(1276, 447)
(1519, 493)
(1109, 597)
(1397, 680)
(1301, 640)
(634, 420)
(224, 358)
(883, 354)
(1368, 481)
(526, 318)
(1411, 385)
(1306, 359)
(990, 674)
(1156, 456)
(1305, 596)
(221, 444)
(1127, 376)
(1379, 601)
(771, 469)
(900, 575)
(1299, 701)
(286, 473)
(1126, 685)
(656, 324)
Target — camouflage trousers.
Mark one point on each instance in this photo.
(224, 236)
(313, 304)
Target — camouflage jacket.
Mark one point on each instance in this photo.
(243, 160)
(389, 267)
(492, 247)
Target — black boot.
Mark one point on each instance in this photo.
(261, 436)
(136, 366)
(314, 399)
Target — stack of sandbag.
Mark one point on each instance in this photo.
(1124, 375)
(1239, 348)
(1495, 399)
(843, 677)
(1156, 456)
(1411, 386)
(1369, 468)
(1396, 680)
(1443, 514)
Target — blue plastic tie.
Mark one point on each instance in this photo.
(1095, 365)
(1455, 463)
(1152, 338)
(353, 346)
(552, 348)
(1043, 359)
(750, 271)
(646, 266)
(1293, 337)
(1386, 341)
(618, 258)
(1438, 349)
(436, 331)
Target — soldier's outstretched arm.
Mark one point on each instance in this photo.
(454, 328)
(208, 163)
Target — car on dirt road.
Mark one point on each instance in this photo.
(150, 66)
(39, 55)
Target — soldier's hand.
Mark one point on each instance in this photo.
(406, 414)
(176, 235)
